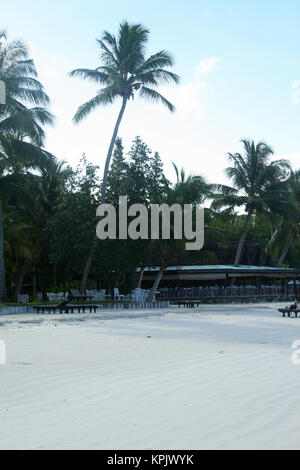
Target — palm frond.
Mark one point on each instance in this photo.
(154, 96)
(104, 98)
(125, 71)
(94, 76)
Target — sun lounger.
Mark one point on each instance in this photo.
(288, 311)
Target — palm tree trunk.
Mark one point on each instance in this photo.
(34, 283)
(273, 238)
(158, 278)
(242, 240)
(55, 273)
(25, 268)
(103, 194)
(286, 249)
(141, 278)
(21, 278)
(3, 295)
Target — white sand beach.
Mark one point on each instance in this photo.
(217, 377)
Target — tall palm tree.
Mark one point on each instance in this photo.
(256, 184)
(124, 72)
(21, 131)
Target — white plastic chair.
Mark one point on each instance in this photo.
(51, 297)
(117, 295)
(23, 299)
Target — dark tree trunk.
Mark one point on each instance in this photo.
(3, 294)
(286, 249)
(155, 286)
(25, 268)
(242, 240)
(272, 240)
(34, 282)
(103, 195)
(55, 273)
(21, 278)
(141, 278)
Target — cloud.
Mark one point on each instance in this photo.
(207, 66)
(208, 13)
(296, 92)
(53, 68)
(294, 158)
(189, 98)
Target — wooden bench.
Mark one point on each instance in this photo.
(63, 307)
(189, 303)
(288, 312)
(89, 308)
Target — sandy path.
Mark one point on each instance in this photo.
(222, 378)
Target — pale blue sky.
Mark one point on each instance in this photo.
(238, 62)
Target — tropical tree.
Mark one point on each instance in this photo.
(289, 225)
(40, 200)
(72, 222)
(192, 190)
(257, 183)
(139, 176)
(21, 131)
(124, 72)
(23, 89)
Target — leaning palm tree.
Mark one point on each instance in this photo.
(124, 73)
(21, 127)
(192, 189)
(256, 184)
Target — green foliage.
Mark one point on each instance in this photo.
(125, 71)
(49, 209)
(73, 222)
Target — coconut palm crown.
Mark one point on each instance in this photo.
(257, 183)
(24, 112)
(125, 71)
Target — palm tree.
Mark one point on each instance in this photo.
(256, 184)
(19, 75)
(124, 72)
(289, 224)
(193, 190)
(45, 189)
(21, 131)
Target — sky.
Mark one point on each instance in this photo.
(239, 64)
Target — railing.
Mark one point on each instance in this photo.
(215, 292)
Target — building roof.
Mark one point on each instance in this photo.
(222, 272)
(226, 268)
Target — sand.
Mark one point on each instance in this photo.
(217, 377)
